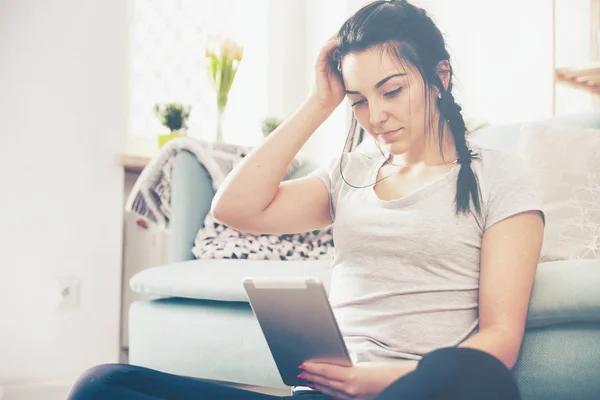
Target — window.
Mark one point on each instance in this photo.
(167, 64)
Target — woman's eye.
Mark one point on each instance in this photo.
(388, 94)
(393, 92)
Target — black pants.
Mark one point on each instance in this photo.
(449, 374)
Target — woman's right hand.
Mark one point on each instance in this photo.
(329, 90)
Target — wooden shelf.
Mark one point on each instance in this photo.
(583, 77)
(132, 163)
(136, 153)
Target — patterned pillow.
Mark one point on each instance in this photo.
(218, 241)
(565, 161)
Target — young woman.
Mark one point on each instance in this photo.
(436, 243)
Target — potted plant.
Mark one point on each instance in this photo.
(269, 124)
(173, 116)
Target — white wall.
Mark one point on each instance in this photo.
(324, 18)
(286, 60)
(502, 54)
(63, 93)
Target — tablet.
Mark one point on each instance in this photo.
(298, 324)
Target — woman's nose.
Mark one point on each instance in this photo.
(377, 115)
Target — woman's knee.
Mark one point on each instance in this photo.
(470, 370)
(95, 377)
(461, 358)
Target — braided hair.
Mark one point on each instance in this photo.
(467, 184)
(410, 35)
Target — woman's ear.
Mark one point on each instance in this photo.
(444, 72)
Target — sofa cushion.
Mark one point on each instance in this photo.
(220, 279)
(223, 341)
(216, 240)
(564, 291)
(506, 137)
(565, 163)
(498, 137)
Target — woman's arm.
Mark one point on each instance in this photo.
(510, 251)
(252, 185)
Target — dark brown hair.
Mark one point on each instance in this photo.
(410, 35)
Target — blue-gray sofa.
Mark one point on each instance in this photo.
(197, 321)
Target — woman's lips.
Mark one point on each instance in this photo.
(386, 136)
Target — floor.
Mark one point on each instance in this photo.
(273, 391)
(58, 392)
(36, 392)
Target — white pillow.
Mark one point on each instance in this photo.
(565, 162)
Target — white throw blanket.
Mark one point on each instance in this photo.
(150, 197)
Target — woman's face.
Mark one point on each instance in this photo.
(387, 98)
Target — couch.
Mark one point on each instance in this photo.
(197, 322)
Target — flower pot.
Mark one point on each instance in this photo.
(162, 139)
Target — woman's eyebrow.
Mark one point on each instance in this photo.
(379, 84)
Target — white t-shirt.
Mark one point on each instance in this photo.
(405, 273)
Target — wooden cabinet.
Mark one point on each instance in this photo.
(144, 246)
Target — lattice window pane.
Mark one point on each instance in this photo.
(167, 64)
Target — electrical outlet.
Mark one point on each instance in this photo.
(68, 293)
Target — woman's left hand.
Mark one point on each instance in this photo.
(363, 381)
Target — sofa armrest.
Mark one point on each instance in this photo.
(565, 292)
(191, 198)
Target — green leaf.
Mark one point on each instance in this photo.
(213, 70)
(173, 115)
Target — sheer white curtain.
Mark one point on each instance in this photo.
(167, 64)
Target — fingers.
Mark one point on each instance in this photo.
(327, 378)
(331, 42)
(329, 46)
(321, 381)
(329, 371)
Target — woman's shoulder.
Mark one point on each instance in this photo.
(507, 184)
(494, 161)
(503, 171)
